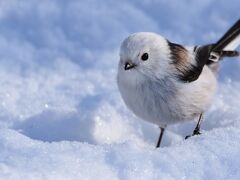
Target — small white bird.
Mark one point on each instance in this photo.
(166, 83)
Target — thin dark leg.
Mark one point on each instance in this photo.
(160, 137)
(197, 128)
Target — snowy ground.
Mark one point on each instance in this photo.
(61, 115)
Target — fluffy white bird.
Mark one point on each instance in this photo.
(166, 83)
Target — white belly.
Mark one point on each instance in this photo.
(168, 102)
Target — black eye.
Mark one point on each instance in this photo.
(144, 57)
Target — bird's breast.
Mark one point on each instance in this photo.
(165, 102)
(153, 101)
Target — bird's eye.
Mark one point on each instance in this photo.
(144, 57)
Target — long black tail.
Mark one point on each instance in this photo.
(229, 37)
(208, 54)
(225, 46)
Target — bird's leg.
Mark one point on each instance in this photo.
(197, 128)
(160, 137)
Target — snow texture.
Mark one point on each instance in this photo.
(61, 115)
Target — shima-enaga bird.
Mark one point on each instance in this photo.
(166, 83)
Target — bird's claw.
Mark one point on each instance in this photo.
(195, 132)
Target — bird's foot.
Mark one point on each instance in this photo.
(195, 132)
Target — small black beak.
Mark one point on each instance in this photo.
(129, 66)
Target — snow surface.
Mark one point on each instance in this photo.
(61, 115)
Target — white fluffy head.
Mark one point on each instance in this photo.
(158, 64)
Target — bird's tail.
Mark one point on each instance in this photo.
(210, 54)
(226, 46)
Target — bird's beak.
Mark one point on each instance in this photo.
(129, 65)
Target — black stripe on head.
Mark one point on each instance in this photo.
(178, 52)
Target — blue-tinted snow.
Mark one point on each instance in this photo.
(61, 115)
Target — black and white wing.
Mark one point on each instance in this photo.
(207, 54)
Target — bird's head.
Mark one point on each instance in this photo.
(146, 54)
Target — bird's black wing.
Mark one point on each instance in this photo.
(189, 71)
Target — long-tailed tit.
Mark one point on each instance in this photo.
(166, 83)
